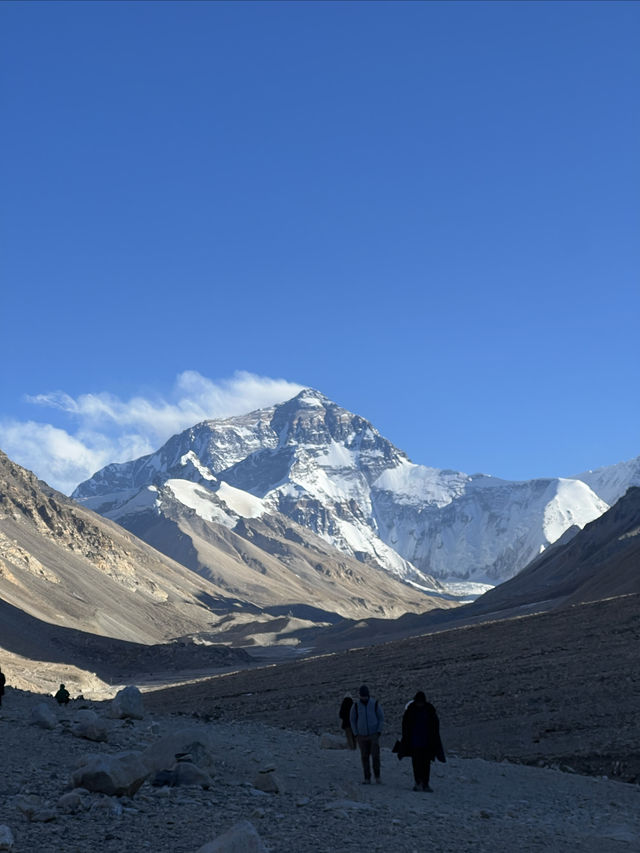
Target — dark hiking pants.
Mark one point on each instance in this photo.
(421, 765)
(370, 747)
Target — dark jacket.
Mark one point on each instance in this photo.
(421, 730)
(345, 710)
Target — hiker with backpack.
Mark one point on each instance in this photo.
(366, 720)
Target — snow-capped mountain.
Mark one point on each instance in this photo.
(612, 481)
(332, 472)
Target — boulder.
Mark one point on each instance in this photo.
(116, 775)
(182, 773)
(189, 743)
(6, 838)
(43, 715)
(268, 782)
(127, 704)
(241, 838)
(186, 773)
(34, 808)
(88, 725)
(72, 802)
(330, 741)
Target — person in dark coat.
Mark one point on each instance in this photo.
(421, 739)
(344, 714)
(3, 681)
(62, 696)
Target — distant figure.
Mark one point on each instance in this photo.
(3, 681)
(62, 696)
(344, 713)
(421, 739)
(366, 720)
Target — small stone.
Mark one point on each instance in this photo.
(71, 802)
(331, 741)
(43, 816)
(268, 782)
(6, 838)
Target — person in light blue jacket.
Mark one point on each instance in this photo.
(367, 720)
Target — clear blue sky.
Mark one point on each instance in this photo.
(428, 211)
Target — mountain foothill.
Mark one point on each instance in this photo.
(299, 530)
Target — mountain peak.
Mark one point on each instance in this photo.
(311, 398)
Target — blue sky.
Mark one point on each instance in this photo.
(428, 211)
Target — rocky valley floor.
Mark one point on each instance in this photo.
(555, 689)
(476, 805)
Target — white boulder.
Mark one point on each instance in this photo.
(127, 704)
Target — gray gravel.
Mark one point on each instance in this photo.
(476, 805)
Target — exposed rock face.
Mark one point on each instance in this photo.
(331, 472)
(62, 563)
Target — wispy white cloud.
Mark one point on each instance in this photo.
(104, 428)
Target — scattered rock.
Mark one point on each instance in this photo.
(88, 725)
(115, 775)
(42, 715)
(348, 804)
(35, 809)
(188, 741)
(330, 741)
(186, 773)
(6, 838)
(127, 703)
(241, 838)
(182, 773)
(72, 802)
(268, 782)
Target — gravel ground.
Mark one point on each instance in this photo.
(555, 689)
(476, 805)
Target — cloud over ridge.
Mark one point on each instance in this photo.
(105, 428)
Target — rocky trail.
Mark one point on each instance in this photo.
(298, 795)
